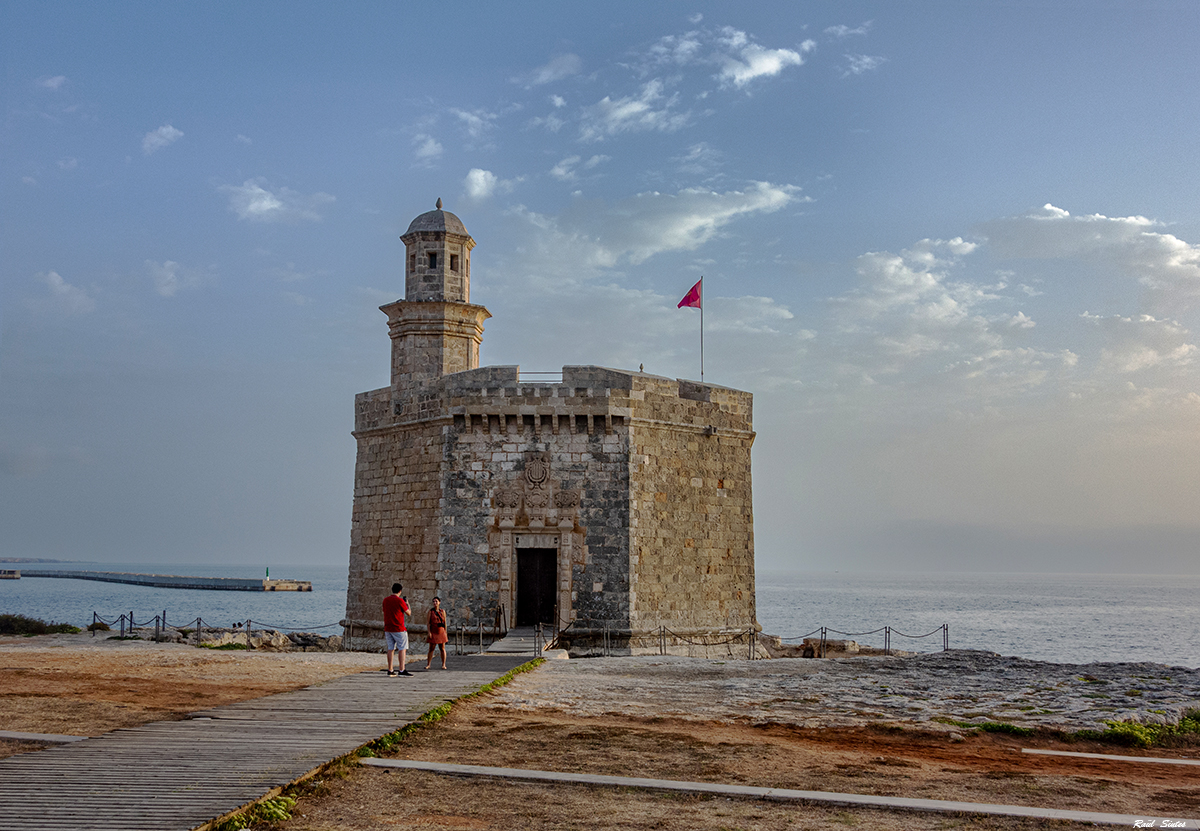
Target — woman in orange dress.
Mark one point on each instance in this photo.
(437, 632)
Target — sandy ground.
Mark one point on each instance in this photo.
(84, 686)
(64, 684)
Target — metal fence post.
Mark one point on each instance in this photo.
(157, 630)
(248, 622)
(887, 640)
(93, 627)
(945, 637)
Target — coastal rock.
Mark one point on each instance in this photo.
(941, 691)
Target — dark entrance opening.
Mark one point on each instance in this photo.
(537, 573)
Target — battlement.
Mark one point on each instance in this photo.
(614, 397)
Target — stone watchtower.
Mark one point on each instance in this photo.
(608, 504)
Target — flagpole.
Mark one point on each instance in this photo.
(701, 328)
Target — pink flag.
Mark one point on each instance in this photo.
(692, 298)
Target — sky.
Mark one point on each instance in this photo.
(953, 250)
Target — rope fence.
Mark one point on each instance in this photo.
(466, 640)
(126, 623)
(665, 637)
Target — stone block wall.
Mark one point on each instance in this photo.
(641, 483)
(692, 523)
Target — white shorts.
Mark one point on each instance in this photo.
(395, 640)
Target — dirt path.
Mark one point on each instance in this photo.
(981, 768)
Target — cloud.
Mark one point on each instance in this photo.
(254, 201)
(648, 111)
(565, 170)
(861, 64)
(560, 67)
(1162, 262)
(160, 138)
(55, 83)
(483, 184)
(558, 101)
(240, 139)
(601, 236)
(700, 159)
(428, 149)
(746, 61)
(843, 31)
(1138, 344)
(477, 123)
(168, 277)
(66, 298)
(69, 163)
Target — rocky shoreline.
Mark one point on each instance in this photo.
(929, 691)
(270, 640)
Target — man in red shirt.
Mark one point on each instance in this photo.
(394, 633)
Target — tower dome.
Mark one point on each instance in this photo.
(437, 258)
(438, 220)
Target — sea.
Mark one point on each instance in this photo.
(1062, 618)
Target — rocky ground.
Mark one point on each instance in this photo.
(924, 691)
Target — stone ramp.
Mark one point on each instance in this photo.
(172, 775)
(517, 641)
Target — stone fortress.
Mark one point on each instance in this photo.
(612, 506)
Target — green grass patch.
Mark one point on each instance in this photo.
(28, 626)
(989, 726)
(1136, 734)
(275, 809)
(386, 743)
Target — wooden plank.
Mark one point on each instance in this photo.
(181, 774)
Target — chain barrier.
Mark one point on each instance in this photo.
(127, 622)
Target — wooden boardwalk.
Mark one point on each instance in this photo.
(182, 774)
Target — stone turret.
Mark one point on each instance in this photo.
(435, 329)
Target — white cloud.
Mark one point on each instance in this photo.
(843, 31)
(483, 184)
(477, 123)
(648, 111)
(160, 138)
(1137, 344)
(861, 64)
(558, 101)
(560, 67)
(747, 61)
(254, 201)
(564, 171)
(600, 236)
(1162, 262)
(677, 50)
(427, 147)
(56, 82)
(240, 139)
(69, 299)
(69, 163)
(169, 277)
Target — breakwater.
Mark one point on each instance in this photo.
(173, 581)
